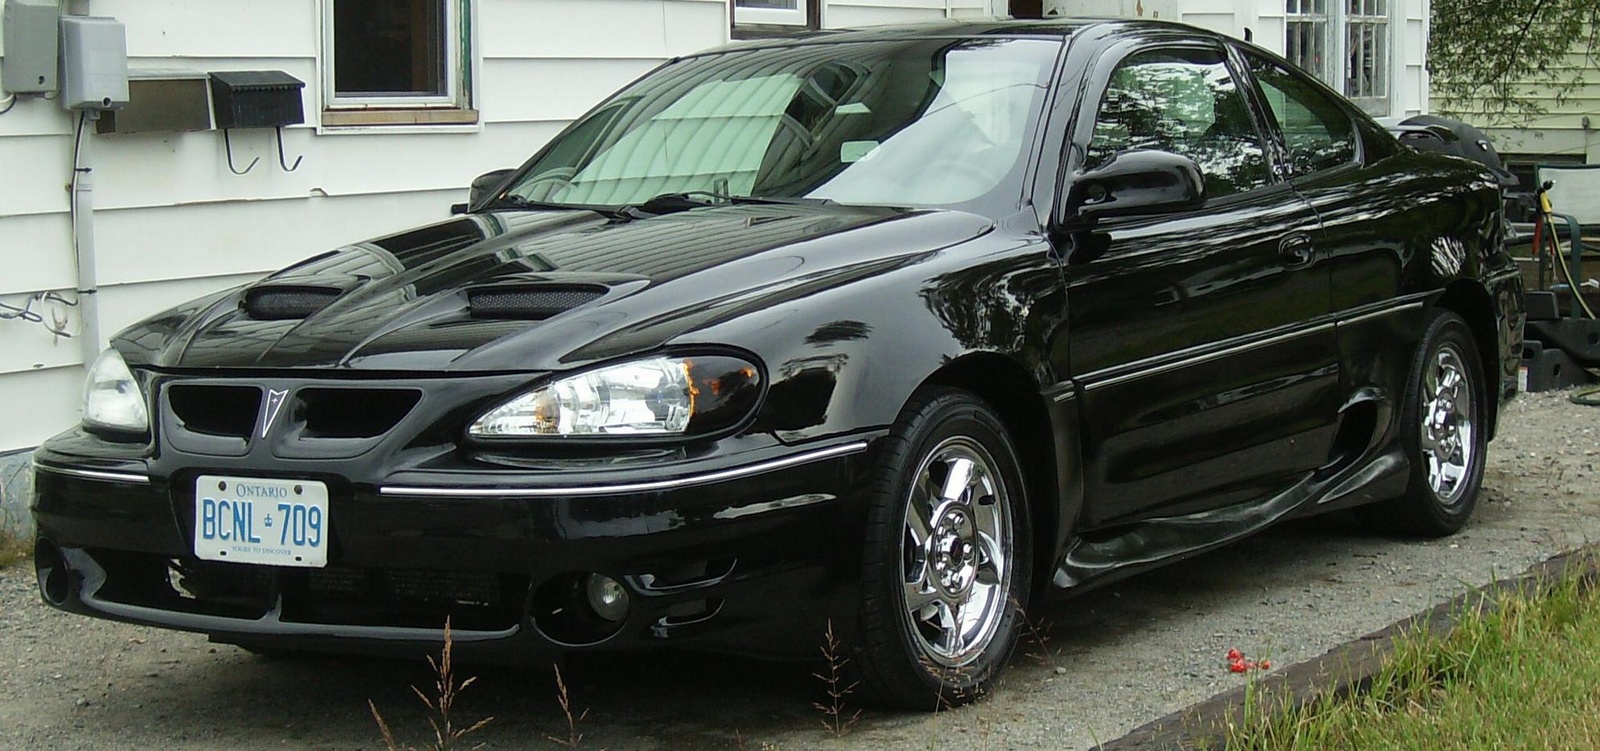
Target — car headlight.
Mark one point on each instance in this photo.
(658, 397)
(111, 397)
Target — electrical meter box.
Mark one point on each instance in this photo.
(94, 63)
(256, 99)
(31, 43)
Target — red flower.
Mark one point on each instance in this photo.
(1238, 664)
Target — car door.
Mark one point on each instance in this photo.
(1380, 219)
(1200, 340)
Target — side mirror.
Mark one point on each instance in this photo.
(483, 186)
(1134, 183)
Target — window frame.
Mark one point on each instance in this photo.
(757, 23)
(799, 16)
(453, 108)
(1245, 85)
(1304, 13)
(1337, 24)
(1382, 28)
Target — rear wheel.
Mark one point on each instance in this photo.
(1445, 435)
(947, 565)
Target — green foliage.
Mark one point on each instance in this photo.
(1519, 673)
(1498, 56)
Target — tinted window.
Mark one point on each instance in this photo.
(1185, 102)
(1316, 130)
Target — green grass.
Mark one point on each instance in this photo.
(1520, 672)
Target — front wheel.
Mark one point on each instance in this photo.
(1445, 424)
(948, 564)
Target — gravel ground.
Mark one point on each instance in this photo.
(1098, 665)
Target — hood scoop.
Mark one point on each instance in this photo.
(280, 303)
(289, 298)
(530, 302)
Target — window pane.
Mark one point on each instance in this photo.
(1185, 102)
(1307, 40)
(1306, 46)
(389, 48)
(773, 4)
(1316, 130)
(1368, 73)
(858, 124)
(1366, 33)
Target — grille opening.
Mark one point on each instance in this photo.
(530, 303)
(354, 413)
(215, 410)
(474, 601)
(181, 585)
(287, 302)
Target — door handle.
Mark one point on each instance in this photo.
(1296, 251)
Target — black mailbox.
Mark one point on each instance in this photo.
(256, 99)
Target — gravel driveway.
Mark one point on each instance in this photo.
(1099, 665)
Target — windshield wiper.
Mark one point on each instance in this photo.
(514, 202)
(670, 203)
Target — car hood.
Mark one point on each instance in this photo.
(519, 291)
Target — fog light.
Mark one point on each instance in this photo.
(607, 597)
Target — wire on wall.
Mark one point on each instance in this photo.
(57, 325)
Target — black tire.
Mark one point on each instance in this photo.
(1444, 431)
(958, 572)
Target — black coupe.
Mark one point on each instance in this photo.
(897, 331)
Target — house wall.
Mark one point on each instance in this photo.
(172, 222)
(1569, 129)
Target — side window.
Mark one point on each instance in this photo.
(1185, 101)
(1316, 130)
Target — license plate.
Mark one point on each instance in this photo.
(257, 520)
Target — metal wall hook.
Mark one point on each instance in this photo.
(286, 167)
(228, 143)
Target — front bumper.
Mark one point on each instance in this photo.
(750, 552)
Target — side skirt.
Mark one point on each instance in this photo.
(1144, 545)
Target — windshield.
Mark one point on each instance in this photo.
(928, 122)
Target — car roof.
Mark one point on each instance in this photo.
(1060, 28)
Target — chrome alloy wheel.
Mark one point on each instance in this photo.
(956, 552)
(1449, 427)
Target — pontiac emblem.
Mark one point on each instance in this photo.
(269, 410)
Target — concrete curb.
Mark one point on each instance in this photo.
(1341, 671)
(16, 490)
